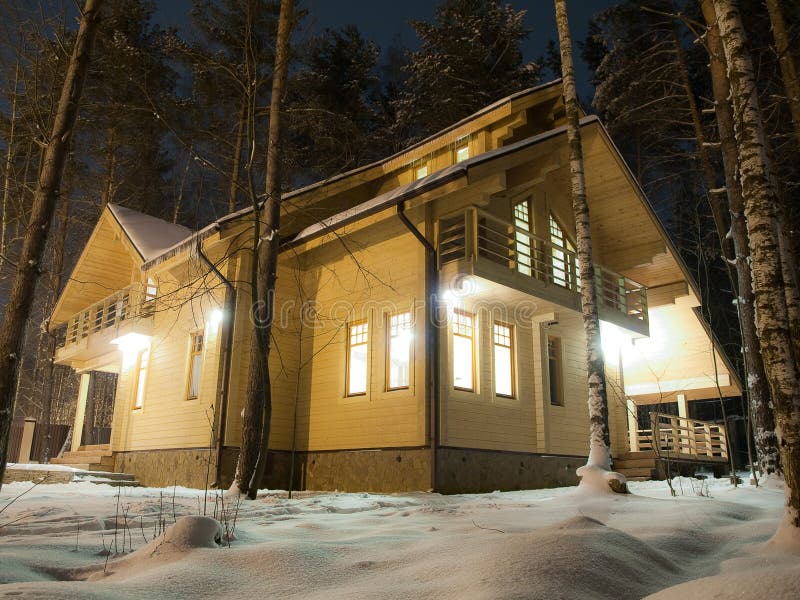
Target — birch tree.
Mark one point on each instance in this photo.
(760, 201)
(597, 471)
(257, 415)
(43, 207)
(762, 419)
(786, 60)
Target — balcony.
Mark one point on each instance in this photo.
(88, 335)
(480, 244)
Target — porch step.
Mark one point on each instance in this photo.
(107, 478)
(628, 463)
(634, 472)
(98, 457)
(101, 449)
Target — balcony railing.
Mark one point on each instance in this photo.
(479, 235)
(134, 301)
(671, 436)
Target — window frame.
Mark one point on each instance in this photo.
(453, 335)
(348, 358)
(190, 370)
(410, 327)
(558, 384)
(462, 144)
(511, 357)
(422, 166)
(140, 381)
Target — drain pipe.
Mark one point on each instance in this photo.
(431, 336)
(227, 351)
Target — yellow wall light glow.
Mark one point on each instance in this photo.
(131, 344)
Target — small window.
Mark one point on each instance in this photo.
(357, 359)
(421, 171)
(554, 371)
(463, 350)
(151, 290)
(141, 378)
(195, 364)
(462, 152)
(399, 358)
(503, 360)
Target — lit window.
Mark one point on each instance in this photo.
(462, 152)
(141, 378)
(503, 360)
(522, 222)
(421, 171)
(399, 360)
(565, 264)
(463, 350)
(151, 290)
(357, 359)
(554, 371)
(195, 364)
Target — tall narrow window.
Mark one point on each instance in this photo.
(462, 151)
(522, 221)
(563, 267)
(195, 364)
(554, 371)
(141, 378)
(503, 360)
(399, 359)
(150, 290)
(463, 350)
(357, 359)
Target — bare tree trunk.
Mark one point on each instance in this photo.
(237, 157)
(110, 166)
(760, 200)
(758, 395)
(786, 60)
(258, 404)
(597, 471)
(44, 201)
(9, 166)
(56, 268)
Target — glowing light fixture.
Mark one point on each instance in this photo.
(215, 318)
(615, 340)
(131, 344)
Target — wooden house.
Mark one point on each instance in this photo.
(427, 330)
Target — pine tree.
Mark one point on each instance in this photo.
(469, 57)
(44, 203)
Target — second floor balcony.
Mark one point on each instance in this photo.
(479, 243)
(89, 334)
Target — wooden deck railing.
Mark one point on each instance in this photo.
(478, 235)
(134, 301)
(674, 436)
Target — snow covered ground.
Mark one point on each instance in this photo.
(558, 543)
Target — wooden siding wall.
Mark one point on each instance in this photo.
(676, 358)
(376, 270)
(168, 419)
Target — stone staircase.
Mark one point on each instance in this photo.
(97, 457)
(637, 466)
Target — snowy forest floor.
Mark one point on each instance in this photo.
(556, 543)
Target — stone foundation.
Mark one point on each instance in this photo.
(459, 470)
(467, 470)
(36, 475)
(163, 468)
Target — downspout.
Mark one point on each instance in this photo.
(431, 337)
(224, 384)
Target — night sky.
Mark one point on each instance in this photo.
(386, 20)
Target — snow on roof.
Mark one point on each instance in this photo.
(149, 235)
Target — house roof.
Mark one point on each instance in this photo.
(150, 236)
(190, 240)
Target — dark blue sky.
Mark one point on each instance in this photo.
(384, 20)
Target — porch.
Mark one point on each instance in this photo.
(476, 242)
(673, 444)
